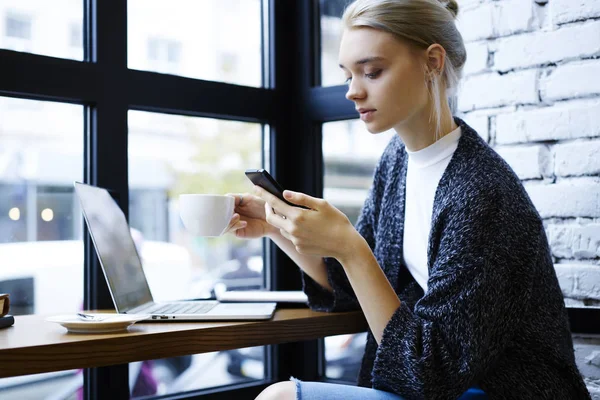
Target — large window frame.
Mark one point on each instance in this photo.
(292, 103)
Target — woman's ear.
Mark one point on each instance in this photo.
(436, 57)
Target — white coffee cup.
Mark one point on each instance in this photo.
(206, 214)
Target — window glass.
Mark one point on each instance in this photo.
(331, 34)
(52, 28)
(350, 154)
(217, 40)
(170, 155)
(41, 247)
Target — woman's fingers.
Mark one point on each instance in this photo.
(276, 219)
(235, 218)
(239, 225)
(275, 203)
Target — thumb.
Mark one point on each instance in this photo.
(301, 199)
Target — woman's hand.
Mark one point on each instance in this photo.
(323, 230)
(249, 220)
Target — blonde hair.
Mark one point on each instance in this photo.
(423, 23)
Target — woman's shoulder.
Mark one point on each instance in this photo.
(392, 156)
(394, 149)
(478, 174)
(476, 162)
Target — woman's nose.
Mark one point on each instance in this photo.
(355, 91)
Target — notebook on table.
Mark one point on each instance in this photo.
(127, 283)
(281, 296)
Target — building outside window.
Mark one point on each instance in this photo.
(18, 26)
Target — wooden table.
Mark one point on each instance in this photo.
(34, 345)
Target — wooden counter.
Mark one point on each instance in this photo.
(34, 345)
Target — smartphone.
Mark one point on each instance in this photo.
(262, 178)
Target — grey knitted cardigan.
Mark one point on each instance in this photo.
(493, 314)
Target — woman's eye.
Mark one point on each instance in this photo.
(373, 75)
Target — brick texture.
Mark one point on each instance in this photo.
(531, 88)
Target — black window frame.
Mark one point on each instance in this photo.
(292, 103)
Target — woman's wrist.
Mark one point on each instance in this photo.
(355, 246)
(273, 233)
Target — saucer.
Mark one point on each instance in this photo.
(112, 322)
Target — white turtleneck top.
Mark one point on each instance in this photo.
(425, 169)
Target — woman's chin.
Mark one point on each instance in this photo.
(376, 128)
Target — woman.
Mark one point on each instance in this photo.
(449, 260)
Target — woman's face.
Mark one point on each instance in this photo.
(386, 79)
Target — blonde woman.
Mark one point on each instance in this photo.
(449, 260)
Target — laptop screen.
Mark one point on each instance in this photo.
(115, 247)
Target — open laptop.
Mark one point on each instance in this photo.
(125, 276)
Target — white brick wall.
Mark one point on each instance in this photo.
(579, 281)
(477, 57)
(564, 120)
(571, 42)
(577, 197)
(493, 19)
(572, 80)
(574, 10)
(512, 16)
(529, 162)
(476, 23)
(577, 158)
(493, 90)
(531, 88)
(574, 241)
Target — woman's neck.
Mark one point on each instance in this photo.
(419, 131)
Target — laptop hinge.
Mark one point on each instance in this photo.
(135, 310)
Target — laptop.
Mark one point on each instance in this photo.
(125, 276)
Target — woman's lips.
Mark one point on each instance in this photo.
(366, 114)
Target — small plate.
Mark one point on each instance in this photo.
(111, 323)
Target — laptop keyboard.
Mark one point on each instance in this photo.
(184, 308)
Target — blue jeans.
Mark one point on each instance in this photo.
(331, 391)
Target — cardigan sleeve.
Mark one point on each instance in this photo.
(343, 297)
(479, 283)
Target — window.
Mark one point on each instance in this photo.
(164, 50)
(216, 40)
(75, 36)
(51, 28)
(41, 155)
(331, 34)
(170, 155)
(164, 54)
(18, 26)
(41, 247)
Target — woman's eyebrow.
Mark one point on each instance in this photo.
(365, 60)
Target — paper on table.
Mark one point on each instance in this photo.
(280, 296)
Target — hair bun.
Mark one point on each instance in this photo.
(451, 5)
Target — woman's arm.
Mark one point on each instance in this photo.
(313, 266)
(375, 294)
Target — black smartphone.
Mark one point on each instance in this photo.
(262, 178)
